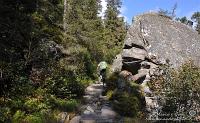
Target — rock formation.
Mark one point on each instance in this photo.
(153, 40)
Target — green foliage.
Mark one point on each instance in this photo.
(109, 94)
(128, 101)
(115, 29)
(126, 104)
(21, 117)
(111, 81)
(64, 87)
(5, 114)
(33, 119)
(45, 68)
(18, 117)
(34, 105)
(183, 20)
(181, 89)
(39, 110)
(67, 105)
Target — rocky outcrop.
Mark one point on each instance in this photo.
(151, 41)
(162, 39)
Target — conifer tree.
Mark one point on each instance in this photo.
(115, 28)
(84, 33)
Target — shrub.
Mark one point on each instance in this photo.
(15, 104)
(111, 81)
(128, 100)
(5, 114)
(179, 91)
(33, 119)
(18, 117)
(126, 104)
(109, 94)
(68, 105)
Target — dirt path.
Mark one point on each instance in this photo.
(96, 108)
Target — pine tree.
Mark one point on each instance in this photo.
(84, 34)
(115, 28)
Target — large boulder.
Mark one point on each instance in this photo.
(135, 53)
(151, 41)
(163, 39)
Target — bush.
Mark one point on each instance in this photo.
(111, 81)
(126, 104)
(33, 119)
(5, 114)
(109, 94)
(68, 105)
(18, 117)
(64, 87)
(128, 100)
(33, 104)
(179, 91)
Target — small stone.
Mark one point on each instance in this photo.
(76, 119)
(89, 108)
(108, 112)
(86, 112)
(62, 116)
(88, 121)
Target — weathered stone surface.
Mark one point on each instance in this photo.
(135, 53)
(96, 109)
(148, 65)
(146, 88)
(151, 102)
(88, 121)
(89, 110)
(141, 74)
(76, 119)
(117, 63)
(151, 41)
(164, 38)
(62, 116)
(108, 112)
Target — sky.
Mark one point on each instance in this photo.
(131, 8)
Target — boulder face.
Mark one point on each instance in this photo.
(159, 39)
(154, 39)
(151, 41)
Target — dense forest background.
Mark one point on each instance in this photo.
(49, 51)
